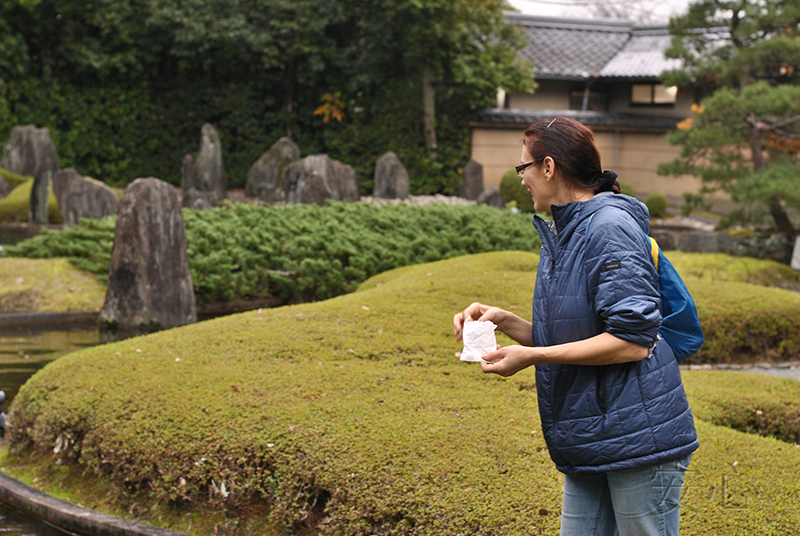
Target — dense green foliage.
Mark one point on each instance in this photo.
(304, 252)
(16, 206)
(657, 205)
(353, 416)
(124, 86)
(744, 55)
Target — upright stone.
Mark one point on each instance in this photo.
(307, 180)
(343, 182)
(30, 151)
(471, 181)
(391, 178)
(82, 197)
(5, 188)
(149, 284)
(210, 169)
(266, 180)
(491, 197)
(188, 173)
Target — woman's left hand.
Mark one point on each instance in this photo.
(509, 360)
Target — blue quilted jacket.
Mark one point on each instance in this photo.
(609, 417)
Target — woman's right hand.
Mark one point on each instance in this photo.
(478, 312)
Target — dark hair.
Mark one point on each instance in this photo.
(571, 145)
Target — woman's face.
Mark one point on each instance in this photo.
(540, 181)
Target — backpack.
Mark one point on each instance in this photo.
(680, 326)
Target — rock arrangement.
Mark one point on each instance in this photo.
(318, 178)
(149, 284)
(391, 178)
(82, 197)
(31, 152)
(265, 180)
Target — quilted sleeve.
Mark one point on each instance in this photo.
(623, 282)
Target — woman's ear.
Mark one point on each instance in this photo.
(549, 167)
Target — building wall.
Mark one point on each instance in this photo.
(634, 156)
(550, 95)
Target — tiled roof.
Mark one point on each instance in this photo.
(642, 56)
(510, 116)
(577, 49)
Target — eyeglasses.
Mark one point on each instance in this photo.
(522, 167)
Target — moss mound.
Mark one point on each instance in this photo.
(751, 403)
(721, 267)
(353, 416)
(744, 323)
(16, 206)
(12, 178)
(49, 285)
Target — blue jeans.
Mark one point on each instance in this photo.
(644, 501)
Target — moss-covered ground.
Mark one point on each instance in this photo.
(354, 416)
(47, 285)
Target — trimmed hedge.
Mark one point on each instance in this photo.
(512, 191)
(351, 416)
(304, 252)
(657, 205)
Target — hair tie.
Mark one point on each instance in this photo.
(607, 180)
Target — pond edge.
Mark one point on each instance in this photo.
(70, 517)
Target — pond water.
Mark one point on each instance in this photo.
(14, 523)
(23, 351)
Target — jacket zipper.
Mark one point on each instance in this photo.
(599, 392)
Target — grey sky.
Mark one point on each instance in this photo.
(651, 10)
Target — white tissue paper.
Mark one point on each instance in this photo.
(478, 339)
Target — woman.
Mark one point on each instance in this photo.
(613, 409)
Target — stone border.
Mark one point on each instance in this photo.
(67, 516)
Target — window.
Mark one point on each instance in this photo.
(597, 101)
(653, 94)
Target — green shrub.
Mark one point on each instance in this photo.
(13, 179)
(657, 205)
(693, 202)
(355, 412)
(512, 190)
(305, 252)
(16, 206)
(627, 188)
